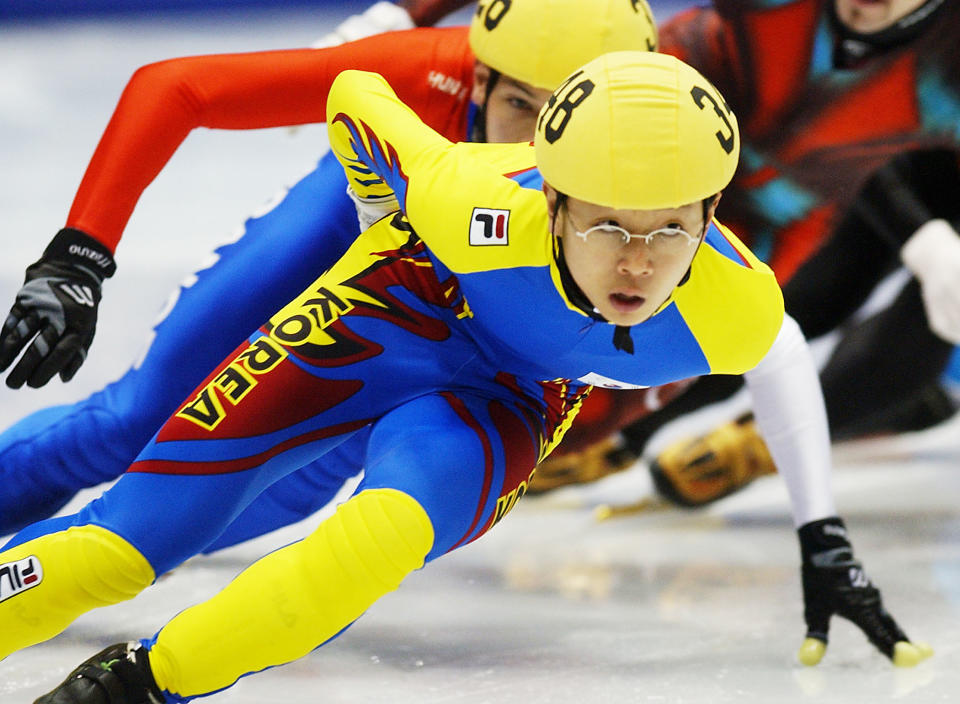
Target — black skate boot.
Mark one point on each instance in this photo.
(119, 674)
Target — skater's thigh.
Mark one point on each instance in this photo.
(466, 459)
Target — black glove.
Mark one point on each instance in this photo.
(55, 310)
(834, 583)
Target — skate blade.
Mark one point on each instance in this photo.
(650, 504)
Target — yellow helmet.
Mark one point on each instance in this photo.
(637, 130)
(541, 41)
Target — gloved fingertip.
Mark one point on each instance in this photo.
(812, 651)
(9, 348)
(603, 512)
(68, 372)
(37, 382)
(907, 654)
(926, 650)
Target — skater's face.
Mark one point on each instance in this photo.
(868, 16)
(512, 106)
(627, 262)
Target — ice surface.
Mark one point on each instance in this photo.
(553, 606)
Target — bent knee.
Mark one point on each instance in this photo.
(377, 538)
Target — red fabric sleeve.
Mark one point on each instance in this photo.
(430, 69)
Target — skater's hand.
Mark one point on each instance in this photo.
(933, 255)
(426, 13)
(55, 312)
(381, 17)
(834, 582)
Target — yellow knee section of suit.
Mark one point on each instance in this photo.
(77, 570)
(292, 600)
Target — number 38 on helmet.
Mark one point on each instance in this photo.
(637, 130)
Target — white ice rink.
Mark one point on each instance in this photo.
(553, 606)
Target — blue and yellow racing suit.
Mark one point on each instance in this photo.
(448, 334)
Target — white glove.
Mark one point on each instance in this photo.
(933, 255)
(370, 210)
(381, 17)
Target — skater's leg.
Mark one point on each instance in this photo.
(442, 470)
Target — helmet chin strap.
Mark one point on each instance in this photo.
(853, 47)
(479, 131)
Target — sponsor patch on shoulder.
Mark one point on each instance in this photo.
(489, 226)
(19, 576)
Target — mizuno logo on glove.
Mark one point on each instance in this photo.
(101, 259)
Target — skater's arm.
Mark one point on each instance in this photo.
(385, 16)
(789, 409)
(165, 101)
(378, 139)
(54, 314)
(388, 152)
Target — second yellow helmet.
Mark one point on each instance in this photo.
(541, 41)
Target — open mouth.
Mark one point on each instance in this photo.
(625, 303)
